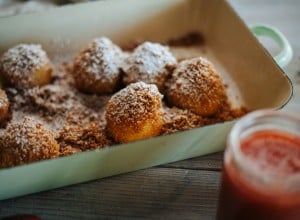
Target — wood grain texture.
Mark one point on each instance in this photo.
(182, 190)
(208, 162)
(157, 193)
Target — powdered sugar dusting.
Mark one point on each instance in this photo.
(100, 59)
(26, 142)
(98, 64)
(150, 63)
(196, 86)
(134, 103)
(79, 121)
(189, 74)
(20, 61)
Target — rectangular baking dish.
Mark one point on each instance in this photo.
(257, 81)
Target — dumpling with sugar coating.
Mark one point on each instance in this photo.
(135, 113)
(26, 66)
(97, 68)
(195, 85)
(25, 142)
(151, 63)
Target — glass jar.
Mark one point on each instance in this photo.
(261, 170)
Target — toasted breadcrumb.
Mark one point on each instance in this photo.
(58, 120)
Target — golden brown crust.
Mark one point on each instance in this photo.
(25, 66)
(96, 68)
(4, 106)
(135, 113)
(195, 85)
(26, 142)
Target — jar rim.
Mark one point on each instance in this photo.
(247, 165)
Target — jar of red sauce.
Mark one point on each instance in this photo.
(261, 171)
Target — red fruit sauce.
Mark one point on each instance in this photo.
(245, 197)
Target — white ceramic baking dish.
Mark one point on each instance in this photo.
(256, 80)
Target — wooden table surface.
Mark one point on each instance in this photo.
(182, 190)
